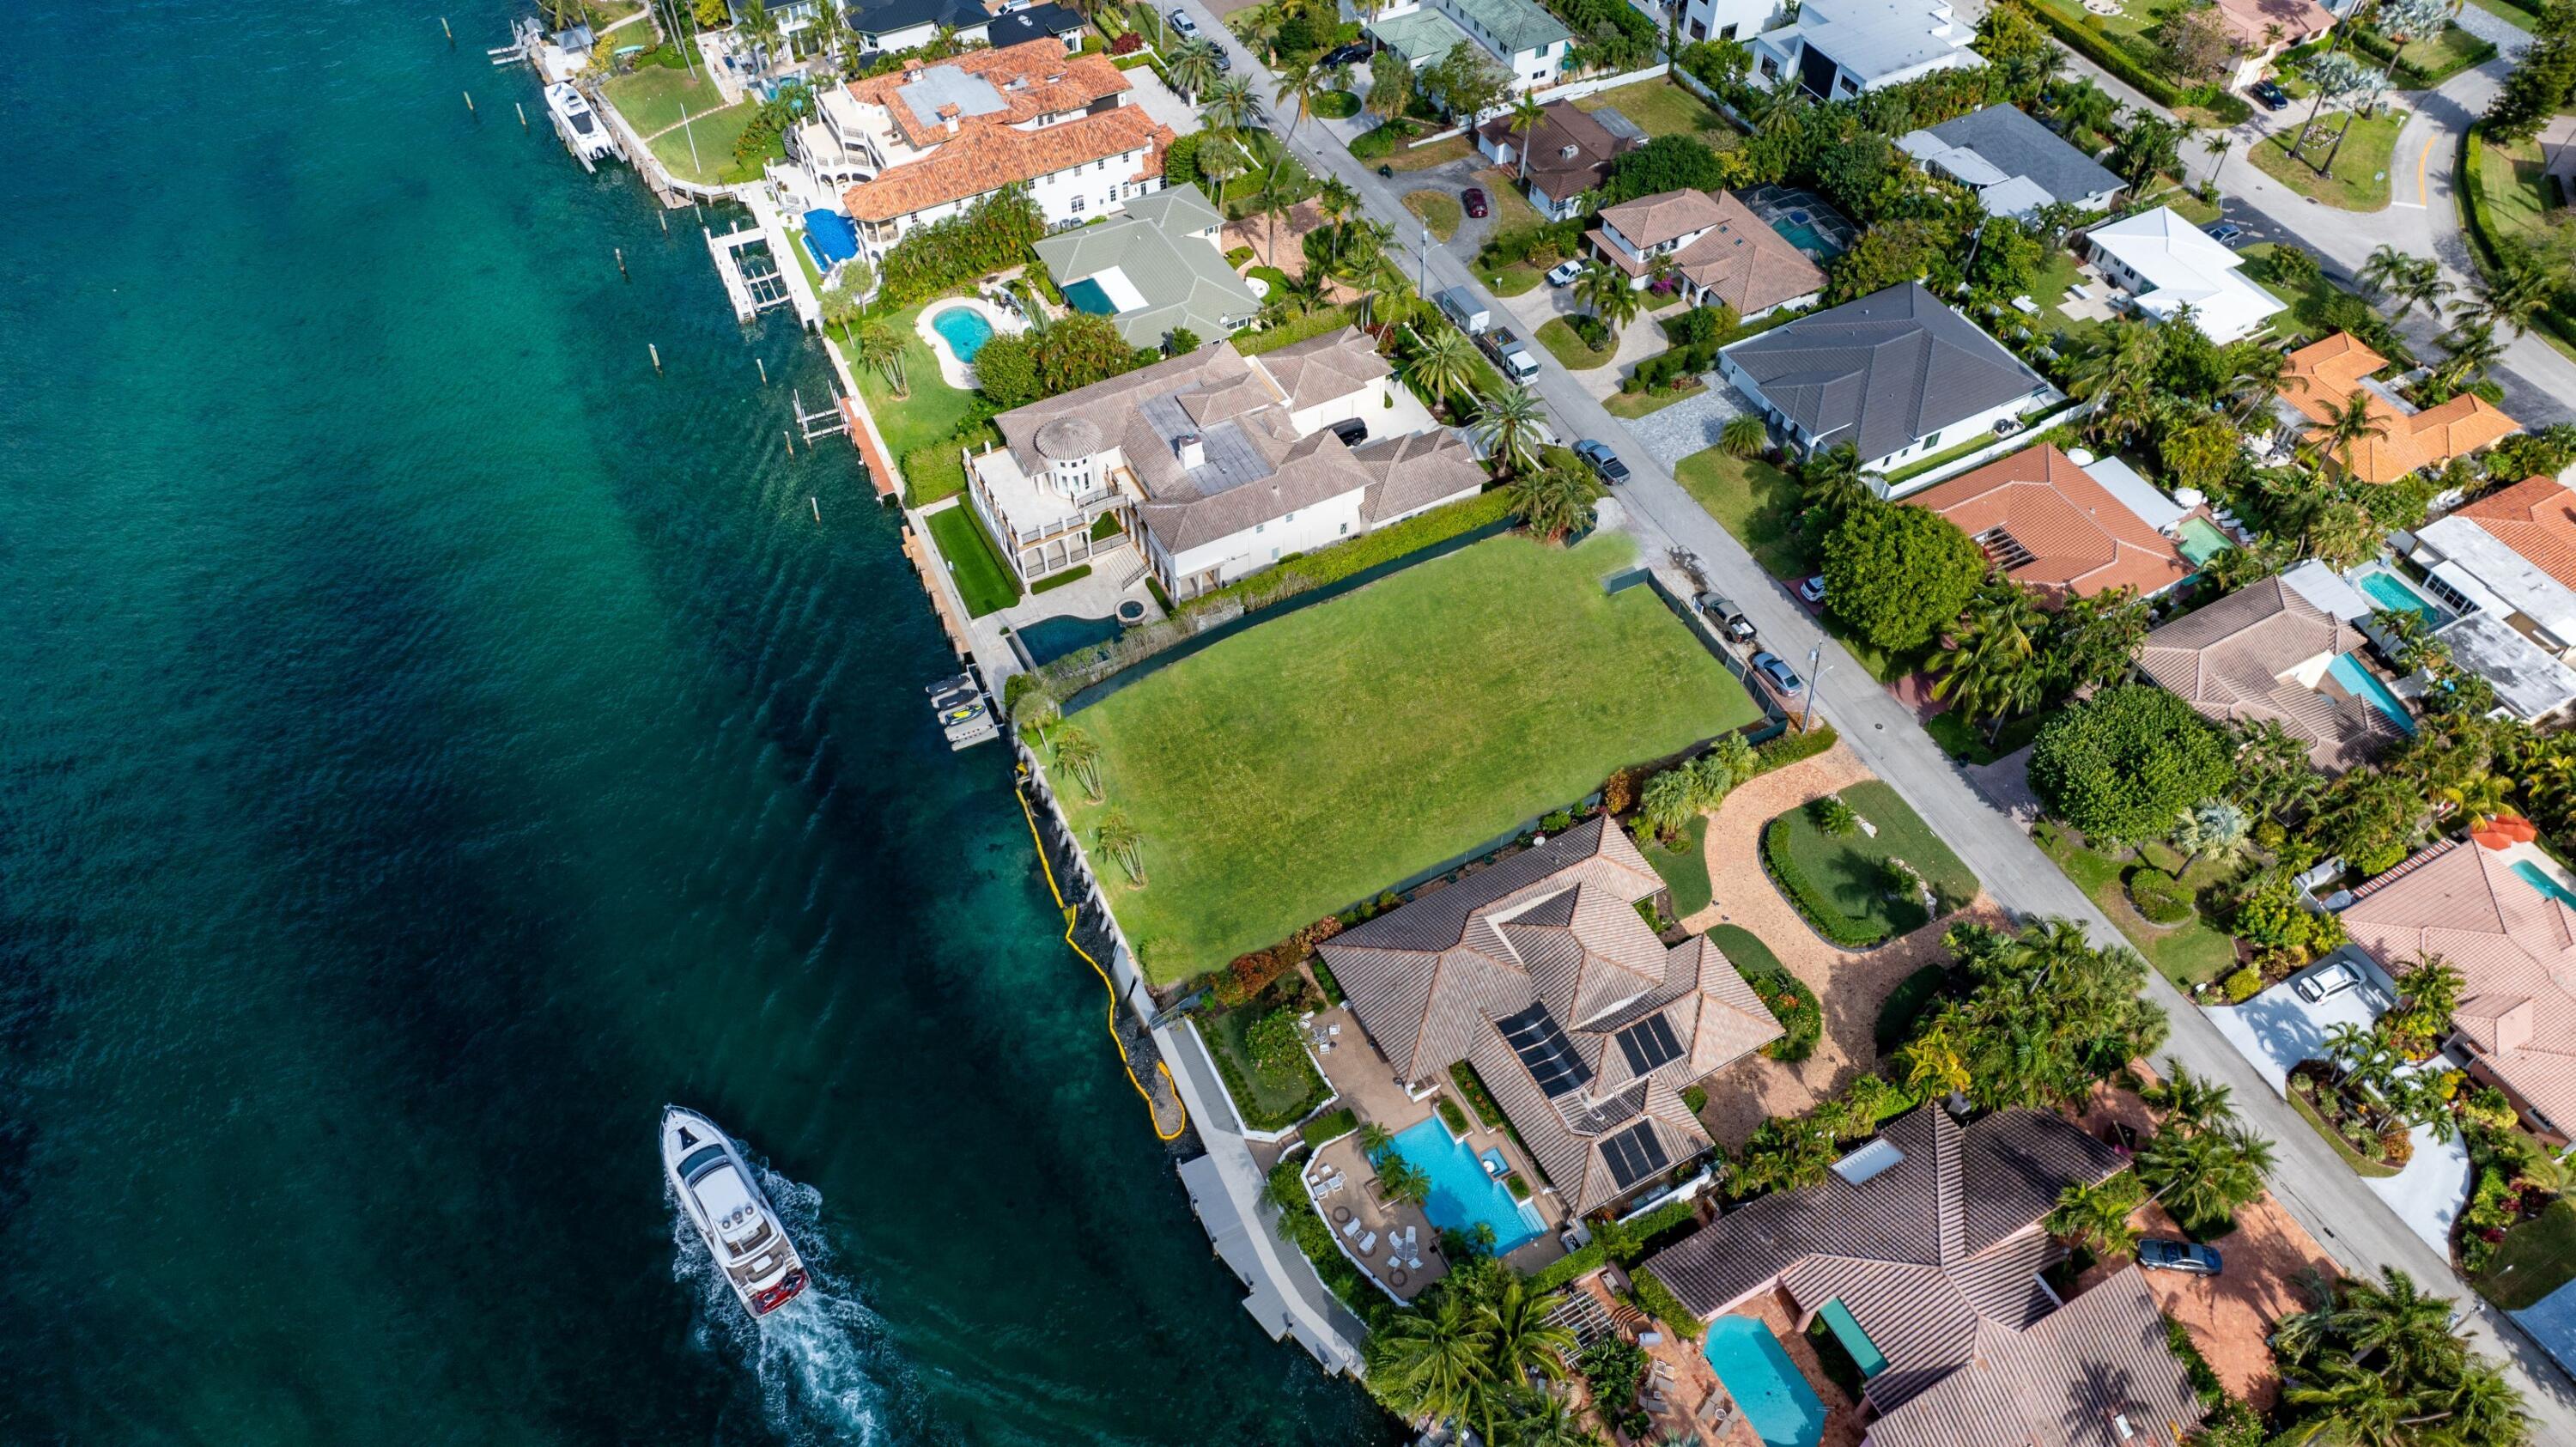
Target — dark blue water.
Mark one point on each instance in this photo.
(431, 742)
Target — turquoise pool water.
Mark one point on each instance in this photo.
(2202, 541)
(2362, 683)
(2389, 591)
(964, 328)
(1764, 1382)
(1462, 1195)
(1805, 237)
(1087, 295)
(2538, 878)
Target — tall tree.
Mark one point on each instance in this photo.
(1508, 426)
(1431, 1363)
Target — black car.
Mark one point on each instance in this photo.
(2161, 1253)
(1603, 460)
(1777, 669)
(1351, 430)
(1224, 61)
(2271, 95)
(1351, 54)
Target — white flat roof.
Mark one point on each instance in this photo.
(2183, 267)
(2135, 493)
(2506, 574)
(1122, 293)
(2318, 584)
(2526, 679)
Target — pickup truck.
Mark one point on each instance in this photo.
(1509, 353)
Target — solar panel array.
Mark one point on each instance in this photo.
(1649, 1043)
(1540, 1042)
(1634, 1154)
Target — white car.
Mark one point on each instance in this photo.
(1184, 25)
(2334, 979)
(1564, 272)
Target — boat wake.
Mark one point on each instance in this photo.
(820, 1361)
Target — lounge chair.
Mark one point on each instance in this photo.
(1351, 1227)
(1413, 1263)
(1368, 1243)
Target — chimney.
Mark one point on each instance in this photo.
(948, 114)
(1190, 450)
(911, 64)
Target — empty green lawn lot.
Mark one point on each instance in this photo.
(1328, 754)
(657, 96)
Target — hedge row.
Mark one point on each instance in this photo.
(1657, 1300)
(1792, 747)
(2110, 56)
(1820, 912)
(1331, 1127)
(2412, 76)
(1597, 1254)
(1472, 1086)
(1306, 571)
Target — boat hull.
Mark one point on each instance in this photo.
(721, 1195)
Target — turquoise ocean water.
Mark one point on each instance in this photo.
(430, 743)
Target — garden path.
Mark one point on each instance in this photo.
(1849, 985)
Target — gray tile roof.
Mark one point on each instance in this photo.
(2009, 140)
(1882, 372)
(1157, 246)
(1923, 1254)
(2232, 661)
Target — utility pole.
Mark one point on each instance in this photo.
(1815, 685)
(1424, 285)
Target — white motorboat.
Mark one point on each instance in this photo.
(722, 1197)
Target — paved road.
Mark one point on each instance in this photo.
(2353, 1225)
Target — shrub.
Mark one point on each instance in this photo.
(1905, 1005)
(1325, 982)
(1792, 1004)
(996, 233)
(1897, 574)
(2270, 915)
(1651, 1296)
(1518, 1185)
(2159, 896)
(2243, 985)
(1380, 143)
(1452, 1116)
(1127, 44)
(1589, 329)
(2124, 765)
(1330, 1127)
(2089, 41)
(931, 472)
(1695, 1098)
(1792, 747)
(1835, 817)
(1820, 912)
(1472, 1086)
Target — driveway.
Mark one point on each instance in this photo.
(1690, 425)
(2428, 1194)
(2277, 1029)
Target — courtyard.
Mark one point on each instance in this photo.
(1336, 751)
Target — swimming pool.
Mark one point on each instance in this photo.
(2390, 591)
(1764, 1382)
(1049, 639)
(964, 329)
(1462, 1195)
(1803, 235)
(1087, 295)
(2361, 683)
(2538, 878)
(2202, 541)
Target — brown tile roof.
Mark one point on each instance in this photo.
(2069, 1380)
(2051, 527)
(985, 158)
(2535, 517)
(1563, 125)
(2325, 375)
(2515, 948)
(1550, 941)
(1032, 79)
(1666, 216)
(2249, 22)
(1745, 263)
(2232, 660)
(1320, 369)
(1925, 1254)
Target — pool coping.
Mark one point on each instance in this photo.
(1523, 1208)
(954, 370)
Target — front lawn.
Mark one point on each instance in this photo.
(2359, 179)
(986, 583)
(1981, 743)
(1684, 870)
(1438, 210)
(1843, 883)
(1661, 108)
(2533, 1260)
(1335, 105)
(1756, 502)
(702, 150)
(1270, 1099)
(1330, 753)
(2445, 55)
(932, 411)
(654, 98)
(2189, 954)
(1438, 153)
(1557, 335)
(1633, 405)
(1512, 280)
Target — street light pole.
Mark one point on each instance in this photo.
(1424, 285)
(1815, 685)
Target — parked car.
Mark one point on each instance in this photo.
(2334, 979)
(2225, 233)
(1351, 430)
(1509, 353)
(2160, 1253)
(2269, 92)
(1351, 54)
(1813, 589)
(1604, 461)
(1476, 204)
(1777, 669)
(1183, 25)
(1730, 620)
(1224, 61)
(1564, 272)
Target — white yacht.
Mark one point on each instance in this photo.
(717, 1189)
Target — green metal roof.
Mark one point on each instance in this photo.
(1515, 25)
(1420, 36)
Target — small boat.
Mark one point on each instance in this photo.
(723, 1199)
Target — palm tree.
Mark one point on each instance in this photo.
(1037, 710)
(1121, 840)
(760, 27)
(1551, 1421)
(2190, 1102)
(1830, 481)
(1617, 307)
(2097, 1217)
(2346, 427)
(1508, 427)
(1444, 364)
(842, 307)
(1430, 1363)
(1667, 803)
(1993, 668)
(1553, 502)
(1778, 109)
(881, 347)
(2084, 112)
(1594, 284)
(1403, 1182)
(1521, 1342)
(1303, 88)
(2513, 295)
(2386, 263)
(1526, 114)
(2473, 351)
(1744, 436)
(2203, 1176)
(1193, 68)
(1228, 105)
(1079, 754)
(2395, 1320)
(2478, 799)
(1375, 1140)
(2343, 1403)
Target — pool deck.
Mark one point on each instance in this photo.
(1694, 1403)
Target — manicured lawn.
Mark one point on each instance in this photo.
(2189, 954)
(1756, 502)
(1269, 1099)
(2307, 313)
(654, 97)
(2359, 1164)
(2359, 180)
(983, 580)
(1661, 108)
(1633, 405)
(932, 411)
(1511, 209)
(1423, 158)
(1557, 335)
(1330, 753)
(1942, 457)
(712, 162)
(2514, 187)
(1684, 870)
(1438, 209)
(2446, 54)
(1850, 871)
(1512, 280)
(2534, 1259)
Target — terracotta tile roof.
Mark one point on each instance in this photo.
(2051, 527)
(1026, 81)
(1929, 1254)
(2535, 517)
(2233, 661)
(985, 158)
(1563, 125)
(2324, 376)
(2249, 22)
(2515, 948)
(1547, 944)
(1665, 216)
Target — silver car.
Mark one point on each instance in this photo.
(2334, 979)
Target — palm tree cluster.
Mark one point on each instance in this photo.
(2007, 656)
(1075, 752)
(1479, 1350)
(1672, 798)
(2203, 1163)
(2046, 1013)
(2379, 1364)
